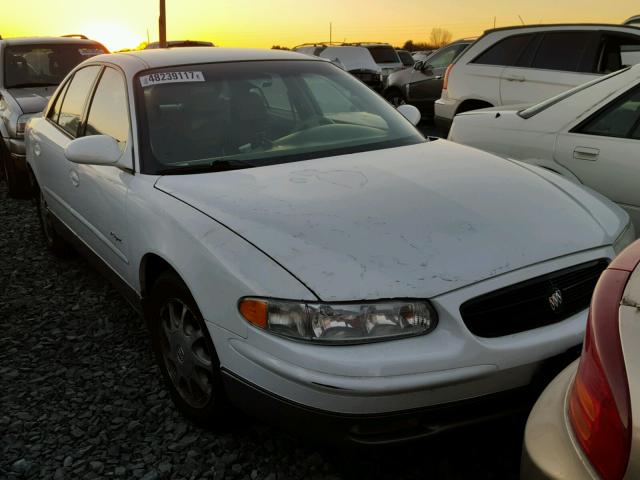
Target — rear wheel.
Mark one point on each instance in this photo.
(185, 352)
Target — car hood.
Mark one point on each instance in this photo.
(414, 221)
(402, 77)
(32, 100)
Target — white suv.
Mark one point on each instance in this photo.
(515, 65)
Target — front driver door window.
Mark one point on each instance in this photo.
(603, 151)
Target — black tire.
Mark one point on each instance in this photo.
(56, 244)
(209, 408)
(17, 182)
(394, 97)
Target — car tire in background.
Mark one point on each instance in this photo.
(395, 97)
(16, 182)
(54, 241)
(185, 352)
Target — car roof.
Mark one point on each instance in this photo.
(158, 58)
(635, 29)
(48, 40)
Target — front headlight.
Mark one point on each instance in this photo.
(627, 236)
(340, 323)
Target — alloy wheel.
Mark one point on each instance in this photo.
(186, 354)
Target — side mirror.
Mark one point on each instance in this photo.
(418, 65)
(427, 69)
(93, 150)
(410, 112)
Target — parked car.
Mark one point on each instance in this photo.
(515, 65)
(585, 424)
(422, 55)
(298, 247)
(180, 43)
(358, 61)
(633, 21)
(382, 54)
(30, 70)
(590, 134)
(421, 86)
(406, 58)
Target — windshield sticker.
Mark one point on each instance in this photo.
(171, 77)
(90, 52)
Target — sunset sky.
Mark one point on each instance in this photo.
(254, 23)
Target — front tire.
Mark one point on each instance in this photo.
(185, 352)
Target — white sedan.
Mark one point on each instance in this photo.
(590, 134)
(293, 241)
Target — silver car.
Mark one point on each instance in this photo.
(30, 71)
(586, 424)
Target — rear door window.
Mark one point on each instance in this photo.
(75, 99)
(506, 52)
(563, 51)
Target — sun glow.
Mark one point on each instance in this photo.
(112, 35)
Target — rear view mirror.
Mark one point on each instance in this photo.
(410, 112)
(93, 150)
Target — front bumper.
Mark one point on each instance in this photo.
(548, 451)
(387, 428)
(17, 155)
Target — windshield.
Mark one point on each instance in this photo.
(542, 106)
(43, 65)
(443, 58)
(237, 115)
(384, 54)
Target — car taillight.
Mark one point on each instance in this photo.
(599, 404)
(445, 82)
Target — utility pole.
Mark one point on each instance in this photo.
(330, 32)
(162, 24)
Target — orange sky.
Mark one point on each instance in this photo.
(254, 23)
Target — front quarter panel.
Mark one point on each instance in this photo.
(218, 266)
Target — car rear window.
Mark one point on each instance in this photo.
(44, 65)
(384, 54)
(540, 107)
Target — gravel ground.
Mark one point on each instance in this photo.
(81, 397)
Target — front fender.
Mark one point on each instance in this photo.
(218, 266)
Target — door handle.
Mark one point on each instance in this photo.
(586, 153)
(75, 179)
(515, 78)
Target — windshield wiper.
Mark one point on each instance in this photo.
(214, 166)
(33, 84)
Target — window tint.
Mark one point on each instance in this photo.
(108, 114)
(274, 92)
(562, 51)
(505, 52)
(54, 113)
(617, 52)
(618, 119)
(75, 99)
(384, 54)
(444, 57)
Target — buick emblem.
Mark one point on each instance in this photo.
(555, 300)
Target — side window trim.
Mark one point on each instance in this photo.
(82, 128)
(59, 98)
(605, 109)
(84, 108)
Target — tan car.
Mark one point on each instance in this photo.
(586, 424)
